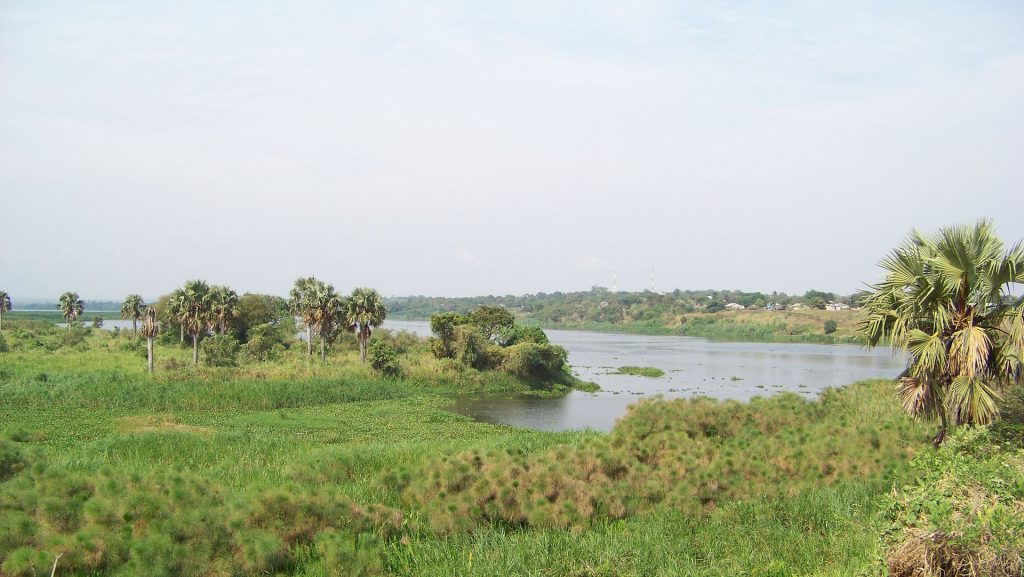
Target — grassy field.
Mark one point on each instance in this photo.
(295, 468)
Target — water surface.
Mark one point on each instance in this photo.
(692, 366)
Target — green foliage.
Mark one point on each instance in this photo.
(492, 320)
(383, 358)
(470, 347)
(714, 306)
(220, 351)
(3, 344)
(530, 360)
(265, 342)
(521, 334)
(258, 309)
(963, 514)
(640, 371)
(830, 327)
(688, 455)
(443, 326)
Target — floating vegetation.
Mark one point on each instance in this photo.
(639, 371)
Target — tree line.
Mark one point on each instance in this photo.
(199, 310)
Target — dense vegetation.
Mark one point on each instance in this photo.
(687, 313)
(297, 467)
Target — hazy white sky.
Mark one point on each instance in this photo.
(464, 148)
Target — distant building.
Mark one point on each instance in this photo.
(735, 306)
(836, 307)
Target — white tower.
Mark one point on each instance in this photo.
(615, 281)
(652, 279)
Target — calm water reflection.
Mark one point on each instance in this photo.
(692, 367)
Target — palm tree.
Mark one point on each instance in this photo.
(5, 305)
(71, 307)
(223, 307)
(195, 312)
(945, 300)
(298, 305)
(327, 311)
(176, 313)
(149, 330)
(132, 309)
(365, 310)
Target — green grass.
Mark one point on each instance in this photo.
(97, 436)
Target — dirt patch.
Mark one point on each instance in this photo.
(158, 423)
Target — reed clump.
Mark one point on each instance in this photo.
(174, 523)
(689, 455)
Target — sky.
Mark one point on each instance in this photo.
(470, 148)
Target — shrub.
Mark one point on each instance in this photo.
(382, 357)
(220, 351)
(3, 344)
(136, 346)
(964, 514)
(75, 338)
(520, 334)
(265, 343)
(830, 327)
(532, 360)
(468, 346)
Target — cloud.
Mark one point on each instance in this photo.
(588, 262)
(466, 257)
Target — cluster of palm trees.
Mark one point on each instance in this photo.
(198, 308)
(325, 312)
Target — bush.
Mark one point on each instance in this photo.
(964, 515)
(520, 334)
(531, 360)
(220, 351)
(265, 343)
(830, 327)
(3, 344)
(383, 358)
(136, 346)
(469, 346)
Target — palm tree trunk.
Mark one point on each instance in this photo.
(940, 436)
(309, 340)
(181, 335)
(195, 349)
(149, 355)
(323, 348)
(1, 320)
(135, 329)
(362, 344)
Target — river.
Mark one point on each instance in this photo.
(693, 367)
